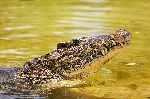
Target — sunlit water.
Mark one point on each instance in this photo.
(31, 28)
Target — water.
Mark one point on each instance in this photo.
(31, 28)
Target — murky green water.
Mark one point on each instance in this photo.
(30, 28)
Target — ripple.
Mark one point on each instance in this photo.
(18, 36)
(94, 1)
(80, 33)
(11, 51)
(90, 32)
(4, 56)
(58, 33)
(18, 27)
(88, 14)
(84, 19)
(5, 38)
(93, 8)
(22, 35)
(79, 24)
(11, 17)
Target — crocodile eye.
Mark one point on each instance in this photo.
(76, 42)
(47, 55)
(62, 45)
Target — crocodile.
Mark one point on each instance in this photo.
(75, 59)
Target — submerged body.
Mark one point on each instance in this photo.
(72, 60)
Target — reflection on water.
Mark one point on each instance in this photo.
(30, 28)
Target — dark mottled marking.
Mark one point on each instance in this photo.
(71, 56)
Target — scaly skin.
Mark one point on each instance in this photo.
(70, 59)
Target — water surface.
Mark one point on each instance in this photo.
(30, 28)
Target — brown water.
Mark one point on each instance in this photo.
(31, 28)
